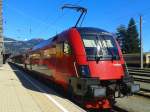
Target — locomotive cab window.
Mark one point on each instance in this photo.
(66, 48)
(101, 47)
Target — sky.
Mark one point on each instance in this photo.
(27, 19)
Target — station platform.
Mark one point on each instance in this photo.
(21, 93)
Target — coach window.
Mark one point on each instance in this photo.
(59, 49)
(66, 48)
(35, 56)
(46, 53)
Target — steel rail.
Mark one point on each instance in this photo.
(139, 71)
(137, 74)
(142, 80)
(144, 93)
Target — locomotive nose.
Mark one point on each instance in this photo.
(106, 70)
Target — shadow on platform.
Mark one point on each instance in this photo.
(37, 82)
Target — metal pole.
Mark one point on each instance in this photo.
(1, 35)
(141, 43)
(79, 19)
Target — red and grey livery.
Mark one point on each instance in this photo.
(87, 63)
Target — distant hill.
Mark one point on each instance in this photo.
(17, 47)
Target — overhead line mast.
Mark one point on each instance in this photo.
(1, 35)
(141, 43)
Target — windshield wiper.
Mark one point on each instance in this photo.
(112, 55)
(97, 57)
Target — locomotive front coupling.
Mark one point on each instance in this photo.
(127, 86)
(88, 87)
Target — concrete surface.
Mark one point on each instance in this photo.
(21, 93)
(134, 103)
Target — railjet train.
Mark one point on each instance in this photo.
(86, 62)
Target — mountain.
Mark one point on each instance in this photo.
(18, 47)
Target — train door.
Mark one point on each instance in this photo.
(67, 59)
(64, 63)
(58, 59)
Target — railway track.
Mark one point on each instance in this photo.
(139, 69)
(137, 73)
(144, 92)
(142, 80)
(141, 76)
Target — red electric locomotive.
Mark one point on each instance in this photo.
(87, 62)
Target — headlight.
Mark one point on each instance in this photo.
(84, 71)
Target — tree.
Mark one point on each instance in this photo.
(121, 37)
(128, 37)
(132, 40)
